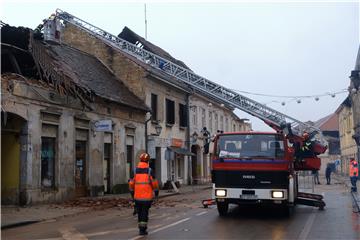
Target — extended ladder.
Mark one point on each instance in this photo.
(200, 84)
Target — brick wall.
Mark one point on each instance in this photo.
(131, 74)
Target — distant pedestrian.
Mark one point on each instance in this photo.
(354, 174)
(143, 187)
(328, 171)
(316, 176)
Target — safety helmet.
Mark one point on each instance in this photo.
(144, 157)
(305, 135)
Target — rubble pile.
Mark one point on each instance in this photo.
(99, 203)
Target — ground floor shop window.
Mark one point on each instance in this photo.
(48, 162)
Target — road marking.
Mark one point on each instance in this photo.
(309, 223)
(162, 228)
(71, 233)
(201, 213)
(160, 216)
(94, 234)
(170, 225)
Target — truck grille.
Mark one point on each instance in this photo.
(250, 179)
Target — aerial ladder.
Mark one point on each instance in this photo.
(290, 127)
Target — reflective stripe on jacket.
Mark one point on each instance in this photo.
(354, 169)
(143, 184)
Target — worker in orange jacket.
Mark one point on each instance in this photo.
(354, 174)
(143, 187)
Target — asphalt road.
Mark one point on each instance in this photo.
(182, 217)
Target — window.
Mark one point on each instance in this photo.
(216, 122)
(221, 127)
(49, 133)
(48, 162)
(194, 115)
(170, 111)
(106, 166)
(226, 124)
(183, 115)
(210, 122)
(129, 155)
(80, 163)
(261, 146)
(203, 122)
(154, 103)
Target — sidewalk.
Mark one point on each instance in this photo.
(13, 216)
(346, 181)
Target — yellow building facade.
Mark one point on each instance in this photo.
(346, 131)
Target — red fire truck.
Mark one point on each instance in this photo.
(261, 168)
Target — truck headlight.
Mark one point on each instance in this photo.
(277, 194)
(220, 192)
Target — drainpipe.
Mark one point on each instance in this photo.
(188, 143)
(146, 134)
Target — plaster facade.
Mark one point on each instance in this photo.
(70, 124)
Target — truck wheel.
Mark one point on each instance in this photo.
(222, 208)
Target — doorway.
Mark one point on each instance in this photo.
(194, 165)
(106, 167)
(80, 168)
(13, 154)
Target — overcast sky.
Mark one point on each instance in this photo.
(278, 48)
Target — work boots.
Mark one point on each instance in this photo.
(135, 211)
(142, 231)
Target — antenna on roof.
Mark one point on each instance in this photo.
(145, 22)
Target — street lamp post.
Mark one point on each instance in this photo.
(146, 132)
(158, 129)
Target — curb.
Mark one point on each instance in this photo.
(344, 180)
(19, 224)
(353, 195)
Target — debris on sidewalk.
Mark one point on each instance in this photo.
(107, 203)
(99, 203)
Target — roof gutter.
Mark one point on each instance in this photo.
(154, 75)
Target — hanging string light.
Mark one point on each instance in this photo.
(298, 99)
(332, 94)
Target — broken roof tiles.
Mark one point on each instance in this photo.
(130, 36)
(91, 73)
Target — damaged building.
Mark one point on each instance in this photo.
(178, 152)
(69, 126)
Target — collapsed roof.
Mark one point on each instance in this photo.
(65, 68)
(130, 36)
(88, 72)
